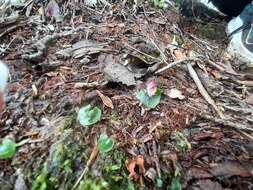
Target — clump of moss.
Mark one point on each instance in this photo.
(67, 158)
(107, 173)
(62, 165)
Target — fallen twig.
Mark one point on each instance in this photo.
(156, 159)
(175, 63)
(91, 160)
(89, 85)
(202, 90)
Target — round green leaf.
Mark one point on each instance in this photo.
(150, 102)
(105, 144)
(88, 116)
(7, 149)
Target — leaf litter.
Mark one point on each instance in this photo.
(101, 54)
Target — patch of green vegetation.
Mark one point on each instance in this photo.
(67, 157)
(161, 4)
(108, 173)
(60, 170)
(113, 117)
(180, 141)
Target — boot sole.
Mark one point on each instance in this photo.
(236, 44)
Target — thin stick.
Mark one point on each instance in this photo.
(89, 85)
(175, 63)
(202, 90)
(91, 160)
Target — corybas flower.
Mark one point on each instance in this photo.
(151, 88)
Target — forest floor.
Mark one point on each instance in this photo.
(195, 138)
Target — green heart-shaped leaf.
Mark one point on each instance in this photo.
(105, 144)
(149, 101)
(88, 116)
(7, 149)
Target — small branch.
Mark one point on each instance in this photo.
(202, 90)
(89, 85)
(91, 160)
(156, 159)
(175, 63)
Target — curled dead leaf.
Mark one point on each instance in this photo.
(138, 161)
(105, 99)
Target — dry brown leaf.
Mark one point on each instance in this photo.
(179, 54)
(105, 99)
(131, 165)
(175, 93)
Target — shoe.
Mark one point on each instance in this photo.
(4, 73)
(240, 30)
(200, 9)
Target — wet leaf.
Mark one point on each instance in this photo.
(106, 100)
(88, 116)
(7, 149)
(115, 71)
(175, 184)
(150, 102)
(105, 144)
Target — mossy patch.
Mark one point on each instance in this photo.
(67, 158)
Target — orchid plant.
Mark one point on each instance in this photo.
(150, 96)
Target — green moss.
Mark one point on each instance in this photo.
(110, 174)
(67, 158)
